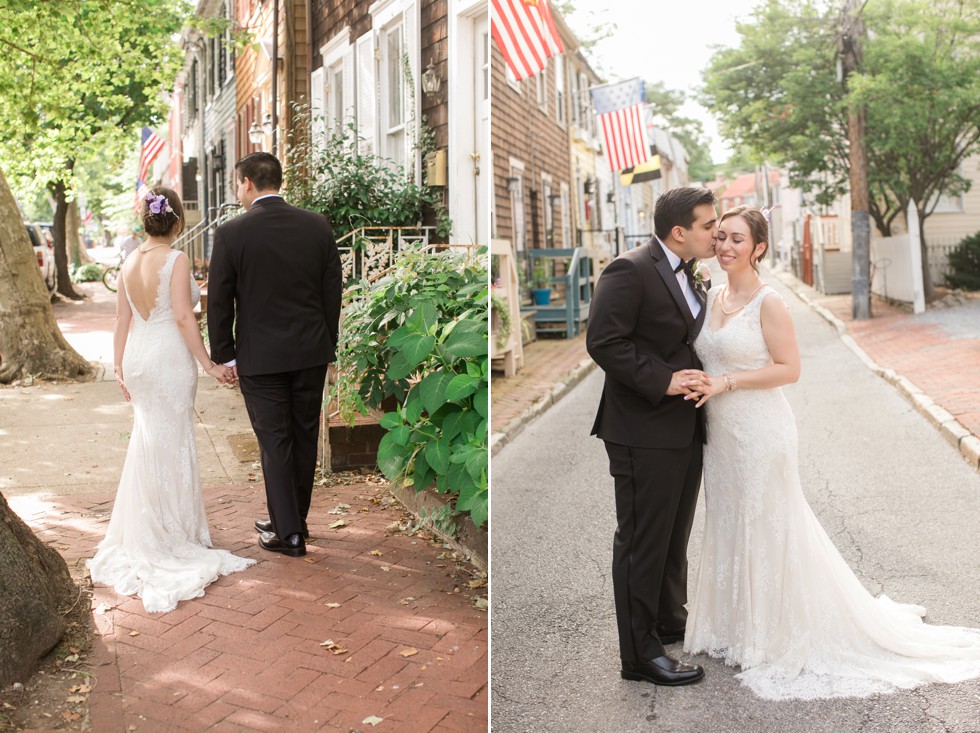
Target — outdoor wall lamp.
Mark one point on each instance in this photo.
(431, 81)
(267, 122)
(255, 134)
(511, 182)
(588, 186)
(610, 197)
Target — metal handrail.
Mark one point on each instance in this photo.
(199, 234)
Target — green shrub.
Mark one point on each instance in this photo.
(91, 272)
(965, 263)
(420, 335)
(353, 189)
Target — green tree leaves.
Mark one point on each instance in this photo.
(421, 335)
(778, 95)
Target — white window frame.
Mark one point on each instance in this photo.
(518, 224)
(566, 226)
(386, 15)
(338, 55)
(548, 210)
(541, 88)
(560, 92)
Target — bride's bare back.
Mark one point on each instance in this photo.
(141, 274)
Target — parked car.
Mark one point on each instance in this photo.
(45, 255)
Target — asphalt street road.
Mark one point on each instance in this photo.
(900, 503)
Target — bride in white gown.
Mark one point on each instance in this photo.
(773, 596)
(157, 544)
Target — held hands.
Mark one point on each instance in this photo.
(681, 382)
(703, 387)
(122, 385)
(224, 374)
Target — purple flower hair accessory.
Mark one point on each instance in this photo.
(158, 204)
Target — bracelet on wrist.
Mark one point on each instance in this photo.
(730, 385)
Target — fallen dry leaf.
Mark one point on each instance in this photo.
(332, 605)
(75, 698)
(371, 720)
(405, 601)
(377, 553)
(329, 644)
(409, 652)
(134, 633)
(385, 568)
(338, 524)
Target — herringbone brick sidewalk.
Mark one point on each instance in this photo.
(250, 656)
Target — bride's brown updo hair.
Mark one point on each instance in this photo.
(758, 227)
(161, 218)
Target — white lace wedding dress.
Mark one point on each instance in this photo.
(157, 543)
(773, 595)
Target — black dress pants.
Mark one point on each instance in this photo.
(656, 496)
(285, 412)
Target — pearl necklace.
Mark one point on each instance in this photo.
(162, 244)
(748, 300)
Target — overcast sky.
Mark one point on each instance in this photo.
(668, 41)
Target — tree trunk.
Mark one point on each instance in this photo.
(30, 341)
(35, 589)
(76, 248)
(60, 231)
(928, 288)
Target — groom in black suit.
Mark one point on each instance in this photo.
(274, 292)
(647, 309)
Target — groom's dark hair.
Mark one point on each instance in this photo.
(262, 169)
(675, 208)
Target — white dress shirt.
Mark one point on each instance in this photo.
(689, 294)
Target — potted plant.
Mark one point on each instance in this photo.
(541, 284)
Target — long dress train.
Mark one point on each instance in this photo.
(773, 595)
(157, 544)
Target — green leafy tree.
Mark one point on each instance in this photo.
(79, 76)
(778, 94)
(667, 104)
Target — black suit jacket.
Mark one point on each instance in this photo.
(640, 332)
(274, 290)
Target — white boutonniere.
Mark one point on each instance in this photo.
(702, 273)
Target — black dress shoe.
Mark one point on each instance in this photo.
(265, 525)
(293, 546)
(662, 671)
(670, 637)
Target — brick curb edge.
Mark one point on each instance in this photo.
(951, 429)
(512, 429)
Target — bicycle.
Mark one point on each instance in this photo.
(110, 277)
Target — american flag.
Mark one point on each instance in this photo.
(152, 145)
(620, 111)
(526, 35)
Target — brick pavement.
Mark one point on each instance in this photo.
(547, 362)
(247, 656)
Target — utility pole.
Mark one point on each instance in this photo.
(852, 34)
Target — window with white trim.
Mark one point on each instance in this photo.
(541, 87)
(560, 113)
(395, 26)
